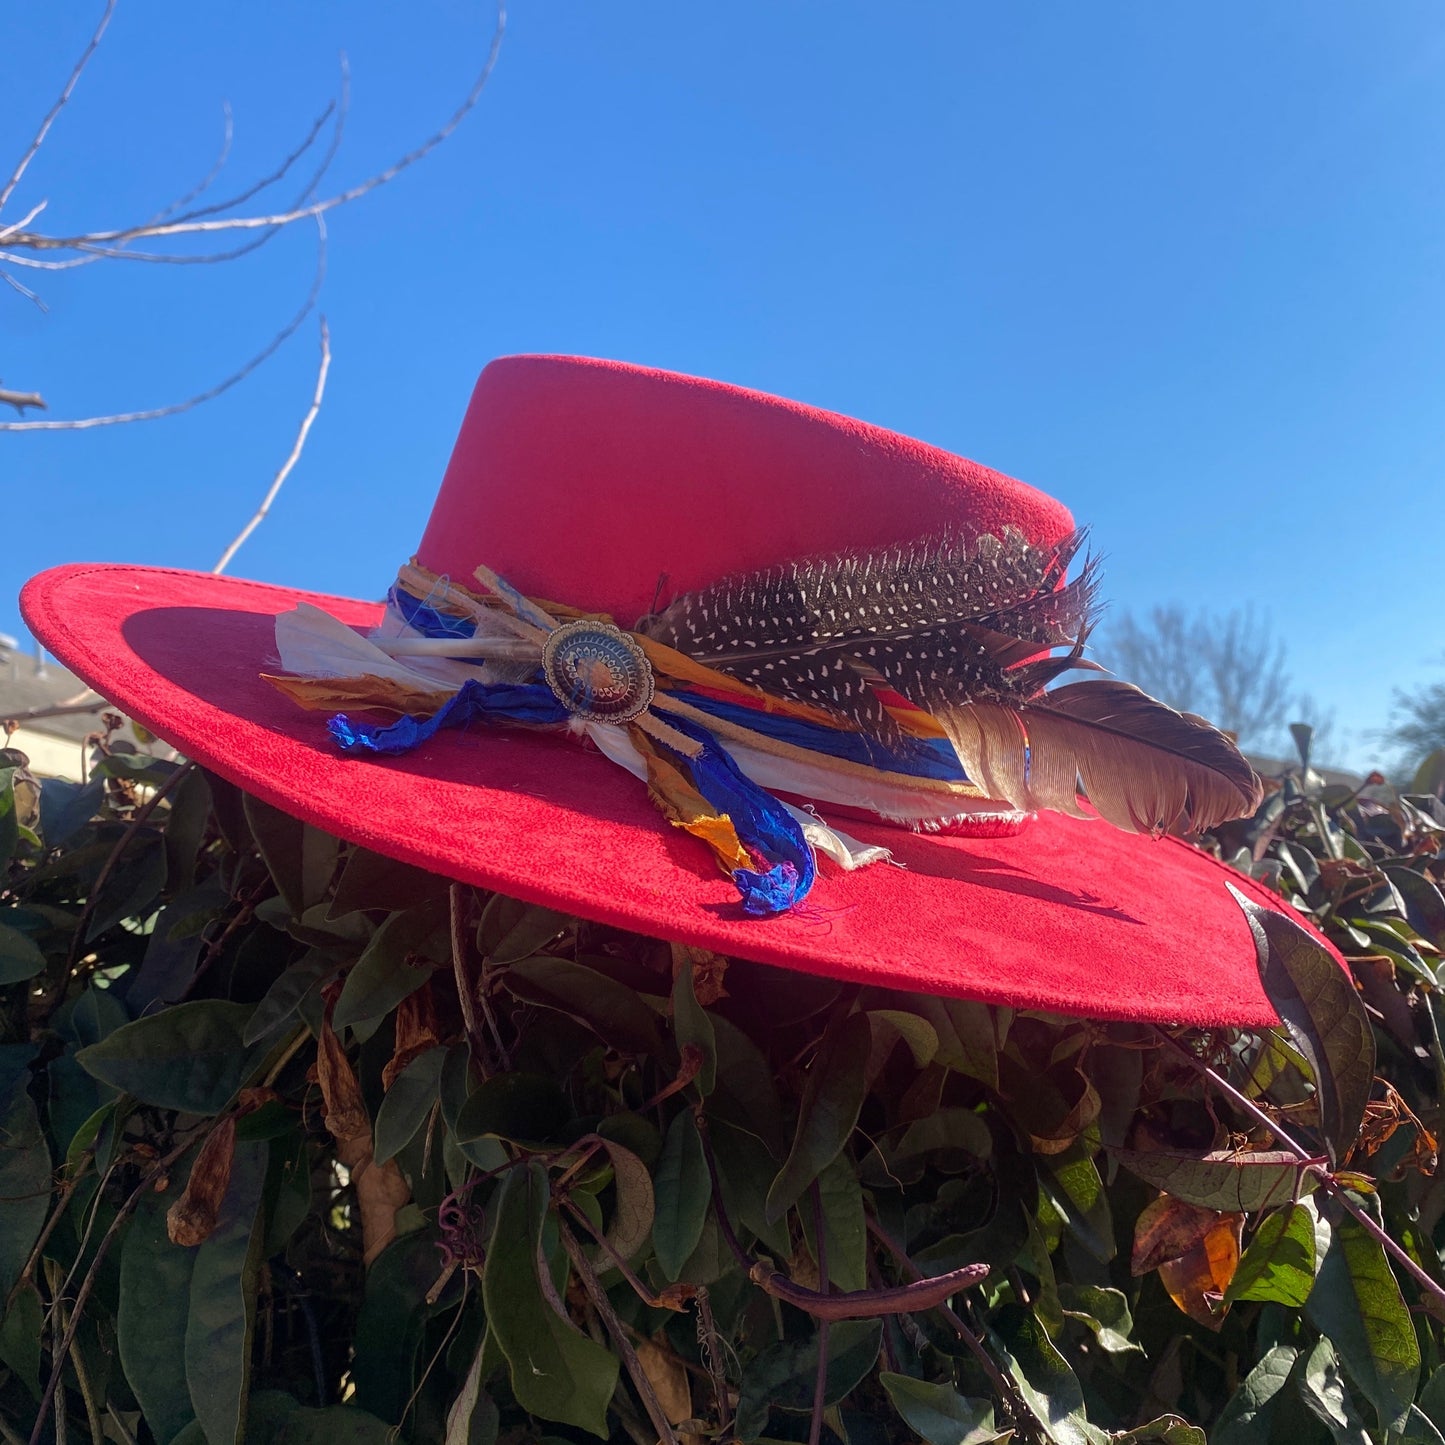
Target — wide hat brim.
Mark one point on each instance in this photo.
(1069, 916)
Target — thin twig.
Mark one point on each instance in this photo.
(59, 105)
(466, 995)
(211, 393)
(1310, 1164)
(36, 241)
(641, 1290)
(21, 399)
(618, 1335)
(295, 455)
(820, 1379)
(228, 134)
(34, 714)
(82, 1296)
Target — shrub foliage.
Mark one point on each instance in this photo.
(303, 1144)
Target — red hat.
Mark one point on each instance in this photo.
(583, 493)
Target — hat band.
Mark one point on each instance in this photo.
(714, 752)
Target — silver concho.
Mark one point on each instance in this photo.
(596, 671)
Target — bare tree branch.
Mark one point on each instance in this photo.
(91, 254)
(269, 350)
(36, 714)
(295, 455)
(37, 241)
(75, 74)
(21, 399)
(25, 220)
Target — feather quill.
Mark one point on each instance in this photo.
(965, 631)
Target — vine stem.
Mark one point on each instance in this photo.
(465, 994)
(82, 1295)
(1310, 1164)
(1001, 1383)
(820, 1381)
(593, 1287)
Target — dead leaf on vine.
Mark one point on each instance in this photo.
(1197, 1280)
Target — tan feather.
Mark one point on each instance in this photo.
(1141, 765)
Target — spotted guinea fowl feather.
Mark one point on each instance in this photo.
(946, 612)
(964, 631)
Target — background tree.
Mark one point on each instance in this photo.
(1229, 667)
(1417, 725)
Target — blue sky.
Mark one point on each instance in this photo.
(1178, 265)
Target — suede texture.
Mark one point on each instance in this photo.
(608, 486)
(613, 487)
(1070, 916)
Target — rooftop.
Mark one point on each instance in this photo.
(30, 681)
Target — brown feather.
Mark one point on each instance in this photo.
(1142, 766)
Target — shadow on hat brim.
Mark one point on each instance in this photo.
(1068, 916)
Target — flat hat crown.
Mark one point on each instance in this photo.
(589, 482)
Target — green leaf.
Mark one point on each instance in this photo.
(828, 1113)
(190, 810)
(1316, 1000)
(134, 885)
(1104, 1311)
(1248, 1416)
(1327, 1397)
(301, 859)
(20, 1336)
(747, 1093)
(557, 1372)
(614, 1012)
(784, 1374)
(20, 956)
(683, 1191)
(283, 1000)
(188, 1057)
(401, 957)
(1279, 1264)
(1071, 1181)
(392, 1325)
(25, 1181)
(277, 1419)
(511, 930)
(521, 1108)
(1170, 1429)
(941, 1137)
(473, 1418)
(1432, 1397)
(1233, 1183)
(1357, 1303)
(223, 1304)
(407, 1103)
(967, 1035)
(155, 1294)
(371, 881)
(745, 1169)
(938, 1413)
(691, 1025)
(65, 808)
(845, 1227)
(892, 1024)
(9, 819)
(1049, 1387)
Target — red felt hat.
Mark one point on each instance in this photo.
(600, 485)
